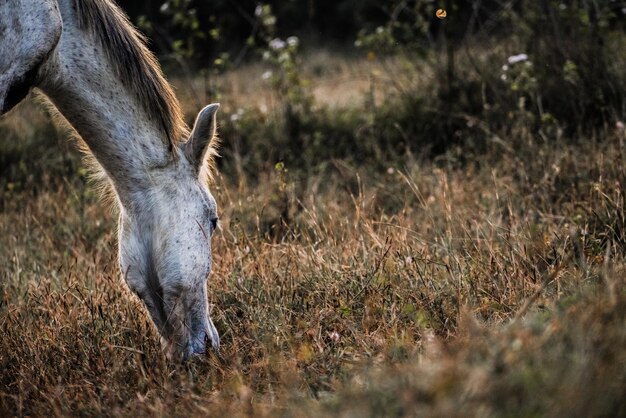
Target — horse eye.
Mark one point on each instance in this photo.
(214, 224)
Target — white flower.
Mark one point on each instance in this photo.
(258, 11)
(266, 75)
(165, 7)
(277, 44)
(503, 77)
(266, 55)
(505, 67)
(237, 116)
(283, 57)
(293, 41)
(513, 59)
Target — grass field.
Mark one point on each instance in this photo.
(486, 284)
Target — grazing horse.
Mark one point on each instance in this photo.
(87, 58)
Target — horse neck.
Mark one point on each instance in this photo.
(82, 84)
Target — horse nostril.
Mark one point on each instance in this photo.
(197, 346)
(194, 352)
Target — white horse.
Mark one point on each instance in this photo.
(95, 68)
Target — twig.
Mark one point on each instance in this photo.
(533, 298)
(133, 350)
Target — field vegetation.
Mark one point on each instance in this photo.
(430, 223)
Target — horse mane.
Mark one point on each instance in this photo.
(134, 64)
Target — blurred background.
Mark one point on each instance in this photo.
(304, 82)
(370, 80)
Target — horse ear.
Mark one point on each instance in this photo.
(199, 143)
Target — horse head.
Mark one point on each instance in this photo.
(165, 245)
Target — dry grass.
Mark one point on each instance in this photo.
(494, 288)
